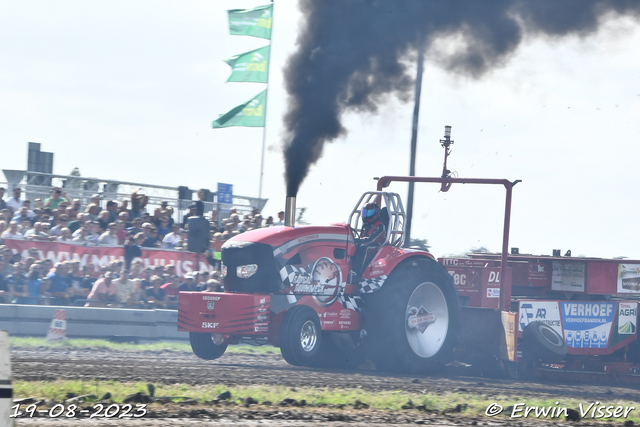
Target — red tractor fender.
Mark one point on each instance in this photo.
(386, 261)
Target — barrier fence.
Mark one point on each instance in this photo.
(39, 184)
(93, 322)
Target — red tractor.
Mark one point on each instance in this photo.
(299, 288)
(302, 289)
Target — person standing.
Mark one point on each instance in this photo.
(73, 226)
(280, 218)
(91, 212)
(61, 222)
(172, 237)
(109, 237)
(112, 208)
(151, 236)
(57, 197)
(103, 292)
(171, 290)
(15, 203)
(155, 294)
(132, 249)
(163, 227)
(58, 284)
(34, 284)
(95, 199)
(12, 232)
(124, 289)
(189, 285)
(3, 204)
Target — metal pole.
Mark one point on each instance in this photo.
(505, 285)
(414, 139)
(264, 132)
(264, 142)
(6, 387)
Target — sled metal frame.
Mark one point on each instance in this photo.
(505, 286)
(393, 204)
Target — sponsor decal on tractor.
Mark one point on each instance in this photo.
(420, 318)
(322, 279)
(308, 289)
(209, 325)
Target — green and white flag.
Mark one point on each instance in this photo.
(252, 66)
(254, 22)
(249, 114)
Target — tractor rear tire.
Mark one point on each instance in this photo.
(203, 346)
(541, 341)
(300, 336)
(413, 320)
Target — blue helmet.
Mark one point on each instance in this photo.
(370, 213)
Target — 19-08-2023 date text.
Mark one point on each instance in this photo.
(71, 411)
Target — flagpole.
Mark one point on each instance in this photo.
(264, 135)
(266, 99)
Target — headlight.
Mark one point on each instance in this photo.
(245, 271)
(223, 271)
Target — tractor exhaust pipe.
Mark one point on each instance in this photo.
(290, 212)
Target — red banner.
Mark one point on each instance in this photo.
(185, 262)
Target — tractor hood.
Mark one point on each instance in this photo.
(282, 238)
(268, 250)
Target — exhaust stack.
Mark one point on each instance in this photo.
(290, 212)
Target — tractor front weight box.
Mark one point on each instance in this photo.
(220, 313)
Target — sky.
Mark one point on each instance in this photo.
(128, 90)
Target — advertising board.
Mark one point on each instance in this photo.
(568, 276)
(584, 324)
(543, 311)
(628, 278)
(99, 256)
(587, 324)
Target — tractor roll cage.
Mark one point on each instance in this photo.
(393, 204)
(505, 285)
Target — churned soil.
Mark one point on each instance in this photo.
(169, 367)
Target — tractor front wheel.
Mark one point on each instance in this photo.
(300, 336)
(204, 347)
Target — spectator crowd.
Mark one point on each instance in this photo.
(31, 281)
(125, 222)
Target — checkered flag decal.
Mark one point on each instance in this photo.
(351, 302)
(368, 286)
(288, 272)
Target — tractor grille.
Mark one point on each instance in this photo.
(265, 280)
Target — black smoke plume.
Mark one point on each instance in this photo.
(353, 53)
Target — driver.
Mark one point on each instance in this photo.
(372, 236)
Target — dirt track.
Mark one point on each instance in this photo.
(40, 364)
